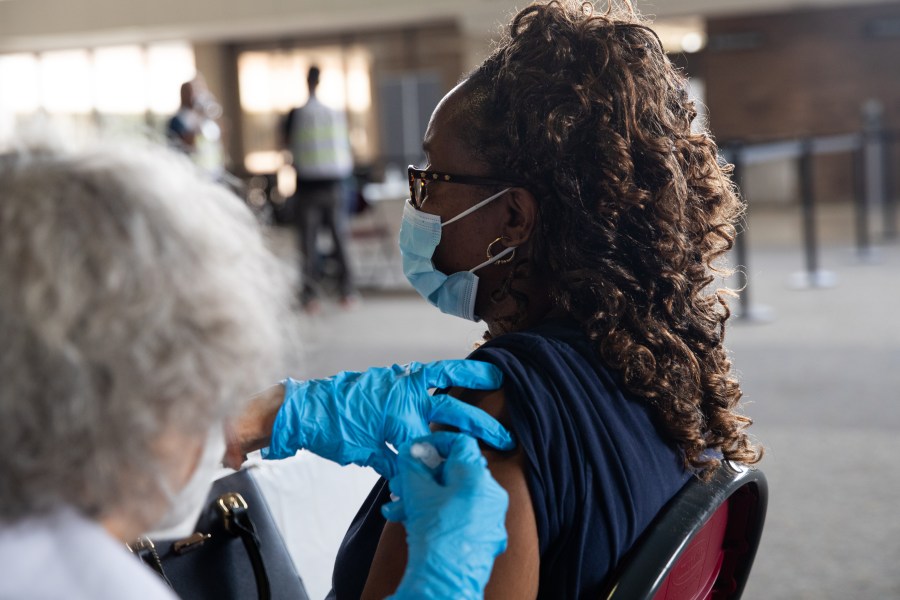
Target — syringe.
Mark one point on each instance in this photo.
(426, 453)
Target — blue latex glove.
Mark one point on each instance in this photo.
(454, 516)
(348, 418)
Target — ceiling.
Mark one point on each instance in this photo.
(33, 25)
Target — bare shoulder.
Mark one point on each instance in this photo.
(515, 573)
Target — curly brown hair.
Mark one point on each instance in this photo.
(588, 113)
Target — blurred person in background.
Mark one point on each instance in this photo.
(568, 204)
(194, 131)
(317, 138)
(139, 308)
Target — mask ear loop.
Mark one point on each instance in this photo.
(472, 209)
(496, 258)
(500, 261)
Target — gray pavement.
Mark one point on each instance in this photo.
(821, 380)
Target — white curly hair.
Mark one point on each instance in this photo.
(136, 299)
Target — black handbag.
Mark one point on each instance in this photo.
(236, 552)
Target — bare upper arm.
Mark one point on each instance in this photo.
(515, 573)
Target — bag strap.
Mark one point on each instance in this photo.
(145, 549)
(238, 523)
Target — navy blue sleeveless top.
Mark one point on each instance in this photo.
(597, 467)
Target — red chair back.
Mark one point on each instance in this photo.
(701, 545)
(695, 573)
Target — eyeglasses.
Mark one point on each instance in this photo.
(420, 178)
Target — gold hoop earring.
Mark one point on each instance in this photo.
(502, 261)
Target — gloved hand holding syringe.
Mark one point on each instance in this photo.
(427, 454)
(454, 513)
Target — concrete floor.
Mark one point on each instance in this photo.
(821, 380)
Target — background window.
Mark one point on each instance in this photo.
(130, 89)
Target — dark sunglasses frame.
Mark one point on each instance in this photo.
(419, 178)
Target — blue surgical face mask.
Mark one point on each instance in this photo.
(420, 234)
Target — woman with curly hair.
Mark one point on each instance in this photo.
(601, 217)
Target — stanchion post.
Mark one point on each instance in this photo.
(812, 277)
(740, 242)
(746, 312)
(888, 140)
(860, 198)
(876, 145)
(808, 203)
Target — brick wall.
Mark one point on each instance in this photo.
(803, 72)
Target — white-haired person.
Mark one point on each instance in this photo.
(139, 307)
